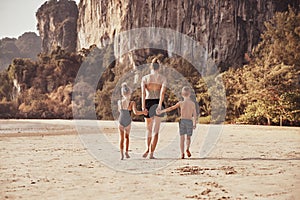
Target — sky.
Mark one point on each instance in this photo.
(18, 16)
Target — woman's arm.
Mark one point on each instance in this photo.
(119, 105)
(162, 92)
(143, 91)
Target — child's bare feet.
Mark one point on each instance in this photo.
(122, 156)
(188, 153)
(182, 156)
(145, 154)
(127, 155)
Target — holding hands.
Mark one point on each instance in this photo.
(144, 111)
(159, 111)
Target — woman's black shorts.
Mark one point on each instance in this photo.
(151, 106)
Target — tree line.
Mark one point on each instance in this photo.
(264, 91)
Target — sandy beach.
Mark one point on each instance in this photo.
(50, 159)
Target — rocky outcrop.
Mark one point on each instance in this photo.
(9, 50)
(27, 45)
(226, 28)
(57, 23)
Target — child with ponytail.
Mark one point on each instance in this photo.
(125, 106)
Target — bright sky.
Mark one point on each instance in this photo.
(18, 16)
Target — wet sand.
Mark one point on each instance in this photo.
(49, 159)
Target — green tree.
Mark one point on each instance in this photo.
(281, 40)
(272, 80)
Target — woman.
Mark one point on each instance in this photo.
(153, 89)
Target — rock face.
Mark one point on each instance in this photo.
(226, 28)
(27, 45)
(57, 23)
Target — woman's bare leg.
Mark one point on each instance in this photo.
(149, 123)
(156, 127)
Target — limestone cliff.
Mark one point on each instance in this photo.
(27, 45)
(226, 28)
(57, 23)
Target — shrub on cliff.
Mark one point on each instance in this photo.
(6, 87)
(8, 109)
(42, 82)
(35, 104)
